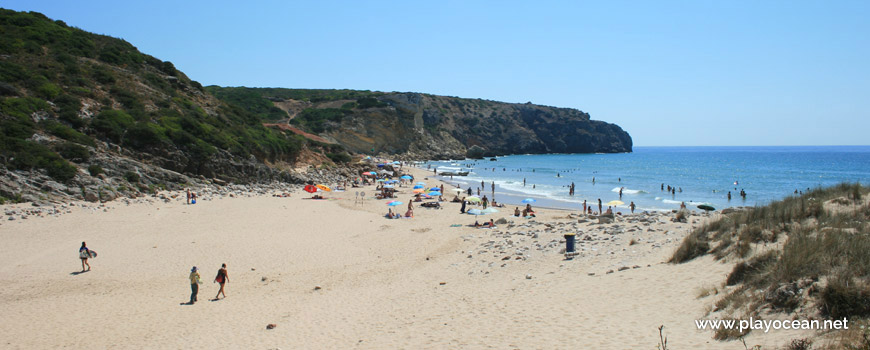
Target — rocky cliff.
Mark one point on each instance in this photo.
(422, 126)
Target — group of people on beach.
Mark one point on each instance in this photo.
(221, 278)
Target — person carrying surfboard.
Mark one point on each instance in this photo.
(84, 254)
(222, 278)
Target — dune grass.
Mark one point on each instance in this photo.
(810, 250)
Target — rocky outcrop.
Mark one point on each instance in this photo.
(422, 126)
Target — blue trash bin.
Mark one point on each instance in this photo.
(569, 243)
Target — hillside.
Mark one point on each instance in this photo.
(422, 126)
(86, 115)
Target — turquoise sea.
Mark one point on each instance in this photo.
(704, 174)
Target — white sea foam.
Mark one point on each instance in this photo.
(627, 191)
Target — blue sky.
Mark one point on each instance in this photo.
(669, 72)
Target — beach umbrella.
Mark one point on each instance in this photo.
(614, 203)
(421, 183)
(324, 188)
(418, 187)
(529, 200)
(489, 210)
(380, 165)
(394, 203)
(310, 188)
(368, 173)
(434, 193)
(388, 186)
(406, 177)
(435, 189)
(419, 190)
(473, 199)
(397, 162)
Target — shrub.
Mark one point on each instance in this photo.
(61, 170)
(112, 124)
(843, 298)
(342, 157)
(73, 152)
(131, 177)
(693, 246)
(95, 170)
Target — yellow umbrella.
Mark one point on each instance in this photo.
(324, 188)
(473, 199)
(615, 203)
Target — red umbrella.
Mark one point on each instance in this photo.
(310, 188)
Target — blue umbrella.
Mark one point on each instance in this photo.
(392, 181)
(394, 203)
(406, 177)
(434, 193)
(529, 200)
(380, 165)
(435, 189)
(418, 186)
(421, 183)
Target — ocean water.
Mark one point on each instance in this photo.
(704, 174)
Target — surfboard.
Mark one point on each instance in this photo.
(92, 253)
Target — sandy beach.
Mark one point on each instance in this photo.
(336, 274)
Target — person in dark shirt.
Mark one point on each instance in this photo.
(84, 254)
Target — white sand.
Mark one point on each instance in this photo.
(381, 280)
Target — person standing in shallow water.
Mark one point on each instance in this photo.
(222, 278)
(632, 207)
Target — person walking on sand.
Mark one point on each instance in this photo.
(599, 206)
(194, 284)
(632, 207)
(188, 196)
(84, 254)
(222, 278)
(462, 210)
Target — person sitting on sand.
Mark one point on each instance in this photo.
(683, 205)
(409, 213)
(440, 198)
(456, 199)
(316, 196)
(489, 224)
(517, 211)
(609, 211)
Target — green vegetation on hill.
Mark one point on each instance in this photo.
(82, 88)
(812, 249)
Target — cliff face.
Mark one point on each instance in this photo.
(423, 126)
